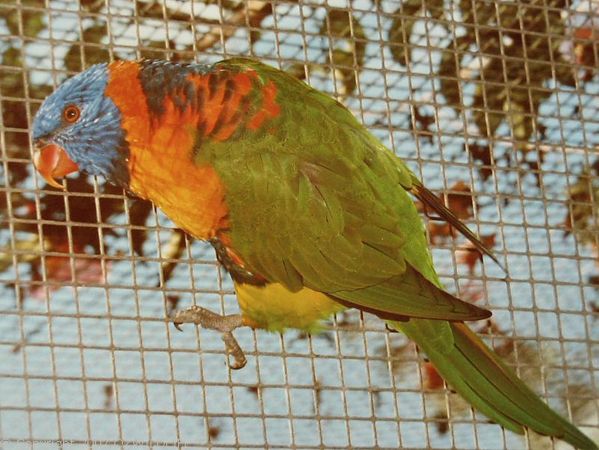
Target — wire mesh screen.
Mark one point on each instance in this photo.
(492, 104)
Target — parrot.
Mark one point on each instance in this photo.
(308, 211)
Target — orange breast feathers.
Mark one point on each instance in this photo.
(161, 151)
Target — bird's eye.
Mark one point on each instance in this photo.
(71, 114)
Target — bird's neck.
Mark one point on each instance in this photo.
(191, 196)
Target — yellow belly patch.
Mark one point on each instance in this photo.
(275, 308)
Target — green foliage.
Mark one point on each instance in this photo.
(404, 19)
(449, 70)
(345, 50)
(519, 59)
(90, 51)
(347, 46)
(29, 16)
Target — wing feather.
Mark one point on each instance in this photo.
(306, 211)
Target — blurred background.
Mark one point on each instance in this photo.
(494, 104)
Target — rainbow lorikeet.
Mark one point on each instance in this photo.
(306, 209)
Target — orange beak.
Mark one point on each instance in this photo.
(52, 161)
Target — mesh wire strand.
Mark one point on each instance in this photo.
(87, 357)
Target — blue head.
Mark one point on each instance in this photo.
(78, 126)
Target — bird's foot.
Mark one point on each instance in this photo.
(212, 321)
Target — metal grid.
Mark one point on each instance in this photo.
(497, 98)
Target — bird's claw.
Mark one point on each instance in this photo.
(212, 321)
(234, 350)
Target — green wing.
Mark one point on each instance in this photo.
(315, 200)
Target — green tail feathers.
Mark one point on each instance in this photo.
(476, 373)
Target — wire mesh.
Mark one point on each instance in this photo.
(493, 104)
